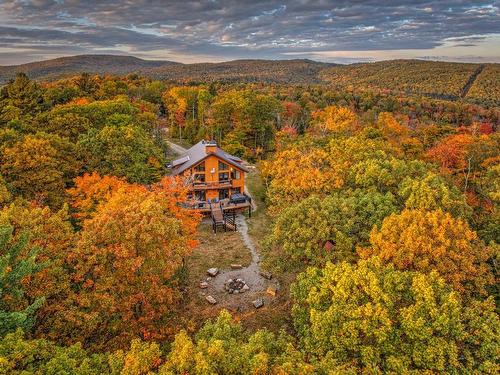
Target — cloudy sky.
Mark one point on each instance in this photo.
(192, 31)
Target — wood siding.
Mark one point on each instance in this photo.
(212, 179)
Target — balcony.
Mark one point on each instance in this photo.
(225, 184)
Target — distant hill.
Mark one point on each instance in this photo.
(98, 64)
(282, 71)
(445, 80)
(277, 71)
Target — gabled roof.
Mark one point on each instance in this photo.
(198, 153)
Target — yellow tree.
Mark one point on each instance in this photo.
(334, 119)
(428, 241)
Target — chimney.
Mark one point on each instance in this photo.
(210, 147)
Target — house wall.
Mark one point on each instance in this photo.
(212, 162)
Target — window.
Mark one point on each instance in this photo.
(199, 177)
(237, 190)
(200, 195)
(200, 167)
(223, 193)
(223, 166)
(223, 176)
(235, 175)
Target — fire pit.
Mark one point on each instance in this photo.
(236, 286)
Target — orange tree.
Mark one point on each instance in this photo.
(124, 266)
(428, 241)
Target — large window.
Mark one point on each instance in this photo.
(223, 176)
(223, 166)
(235, 175)
(200, 167)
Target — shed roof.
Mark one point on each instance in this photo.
(198, 152)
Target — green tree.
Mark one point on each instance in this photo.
(432, 192)
(375, 319)
(21, 96)
(345, 219)
(123, 151)
(13, 269)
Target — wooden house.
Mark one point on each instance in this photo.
(213, 176)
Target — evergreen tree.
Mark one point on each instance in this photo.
(13, 269)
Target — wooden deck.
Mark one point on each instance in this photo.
(204, 207)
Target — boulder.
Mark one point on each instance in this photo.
(213, 271)
(267, 275)
(245, 288)
(258, 303)
(211, 300)
(203, 285)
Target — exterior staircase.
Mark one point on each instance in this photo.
(221, 219)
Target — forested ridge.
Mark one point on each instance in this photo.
(440, 80)
(379, 215)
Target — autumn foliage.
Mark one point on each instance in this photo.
(428, 241)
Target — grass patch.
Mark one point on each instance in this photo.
(217, 250)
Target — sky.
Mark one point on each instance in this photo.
(212, 31)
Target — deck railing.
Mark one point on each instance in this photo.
(198, 185)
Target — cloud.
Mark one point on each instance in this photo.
(240, 29)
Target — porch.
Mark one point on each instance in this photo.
(225, 204)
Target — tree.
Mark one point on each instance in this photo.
(221, 347)
(5, 195)
(22, 96)
(39, 167)
(90, 191)
(124, 266)
(37, 356)
(51, 233)
(124, 151)
(335, 119)
(65, 125)
(375, 319)
(13, 270)
(432, 192)
(297, 172)
(343, 219)
(428, 241)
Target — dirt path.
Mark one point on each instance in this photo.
(250, 274)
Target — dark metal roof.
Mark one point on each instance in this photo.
(198, 152)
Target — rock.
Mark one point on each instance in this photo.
(209, 278)
(211, 300)
(272, 291)
(203, 285)
(239, 280)
(245, 288)
(258, 303)
(213, 271)
(236, 291)
(267, 275)
(236, 266)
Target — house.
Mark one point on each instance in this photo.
(212, 175)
